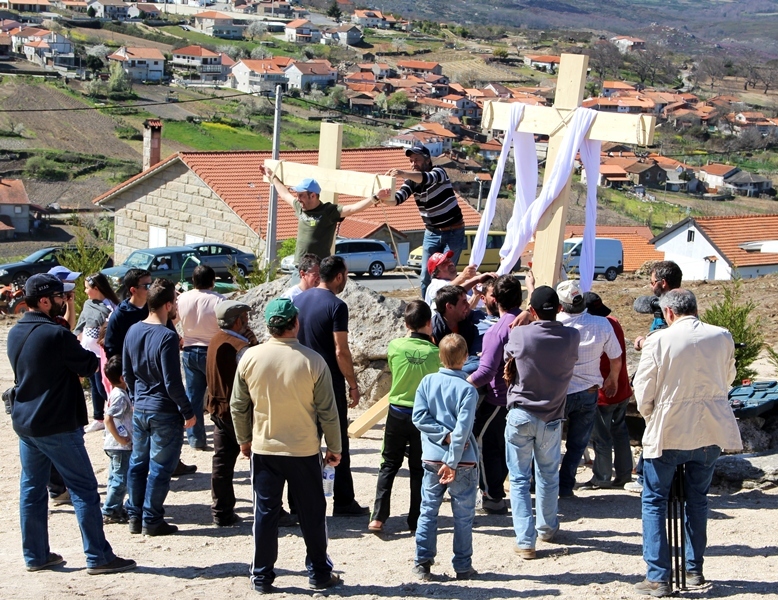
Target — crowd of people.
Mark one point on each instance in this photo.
(482, 392)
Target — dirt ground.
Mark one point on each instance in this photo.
(597, 553)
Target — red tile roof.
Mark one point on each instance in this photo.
(717, 169)
(194, 51)
(297, 23)
(727, 233)
(12, 192)
(635, 240)
(212, 14)
(419, 65)
(235, 178)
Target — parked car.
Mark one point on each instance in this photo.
(175, 263)
(608, 256)
(361, 256)
(225, 257)
(39, 261)
(491, 261)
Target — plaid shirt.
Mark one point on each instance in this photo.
(597, 337)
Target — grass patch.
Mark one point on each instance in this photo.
(281, 48)
(655, 215)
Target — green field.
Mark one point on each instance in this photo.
(296, 134)
(280, 47)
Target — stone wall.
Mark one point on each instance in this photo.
(177, 200)
(374, 321)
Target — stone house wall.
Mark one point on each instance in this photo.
(177, 200)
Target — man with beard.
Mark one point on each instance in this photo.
(152, 371)
(49, 415)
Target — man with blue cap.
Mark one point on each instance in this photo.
(317, 220)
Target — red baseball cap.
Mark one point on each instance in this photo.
(438, 259)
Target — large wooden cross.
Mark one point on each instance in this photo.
(611, 127)
(330, 177)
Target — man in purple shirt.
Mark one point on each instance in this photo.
(489, 428)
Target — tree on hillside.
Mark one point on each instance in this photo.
(94, 64)
(334, 12)
(119, 81)
(711, 68)
(652, 65)
(500, 53)
(748, 68)
(381, 101)
(397, 102)
(261, 52)
(768, 75)
(605, 59)
(91, 12)
(246, 110)
(234, 52)
(100, 51)
(337, 97)
(256, 29)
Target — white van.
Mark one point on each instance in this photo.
(608, 256)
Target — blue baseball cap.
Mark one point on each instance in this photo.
(64, 274)
(45, 284)
(307, 185)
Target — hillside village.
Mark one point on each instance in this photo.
(360, 75)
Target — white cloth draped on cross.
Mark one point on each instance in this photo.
(526, 214)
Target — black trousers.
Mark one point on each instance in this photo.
(303, 475)
(399, 433)
(225, 452)
(343, 494)
(489, 430)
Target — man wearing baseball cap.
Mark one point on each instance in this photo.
(443, 272)
(317, 220)
(282, 391)
(48, 415)
(438, 206)
(597, 337)
(225, 350)
(540, 359)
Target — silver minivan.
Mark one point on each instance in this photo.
(608, 256)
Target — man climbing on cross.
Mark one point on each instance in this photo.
(443, 220)
(317, 220)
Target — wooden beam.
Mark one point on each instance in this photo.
(369, 418)
(613, 127)
(352, 183)
(330, 149)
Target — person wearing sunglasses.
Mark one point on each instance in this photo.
(130, 311)
(49, 415)
(101, 301)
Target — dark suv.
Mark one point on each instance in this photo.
(176, 263)
(39, 261)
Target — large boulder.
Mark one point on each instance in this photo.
(374, 321)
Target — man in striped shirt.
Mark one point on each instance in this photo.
(431, 188)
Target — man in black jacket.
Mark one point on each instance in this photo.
(49, 415)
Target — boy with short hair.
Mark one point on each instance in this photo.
(410, 359)
(118, 443)
(444, 411)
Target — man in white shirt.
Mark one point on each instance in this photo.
(197, 311)
(309, 276)
(597, 337)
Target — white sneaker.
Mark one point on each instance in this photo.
(634, 486)
(94, 426)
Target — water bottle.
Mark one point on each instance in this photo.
(328, 480)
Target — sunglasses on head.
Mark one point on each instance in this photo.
(91, 281)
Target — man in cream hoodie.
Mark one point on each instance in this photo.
(681, 388)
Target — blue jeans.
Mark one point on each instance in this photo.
(439, 241)
(657, 478)
(580, 410)
(462, 491)
(99, 397)
(610, 439)
(193, 359)
(67, 453)
(526, 438)
(116, 488)
(156, 448)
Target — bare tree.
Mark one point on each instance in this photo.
(748, 67)
(605, 59)
(256, 29)
(652, 64)
(711, 68)
(768, 75)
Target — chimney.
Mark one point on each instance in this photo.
(152, 142)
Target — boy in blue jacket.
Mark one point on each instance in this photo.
(443, 412)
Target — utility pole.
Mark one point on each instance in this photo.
(272, 208)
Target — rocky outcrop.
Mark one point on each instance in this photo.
(374, 321)
(747, 471)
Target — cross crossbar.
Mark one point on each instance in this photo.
(352, 183)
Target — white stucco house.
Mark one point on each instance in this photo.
(715, 248)
(141, 64)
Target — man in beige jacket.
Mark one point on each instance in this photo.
(681, 388)
(285, 389)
